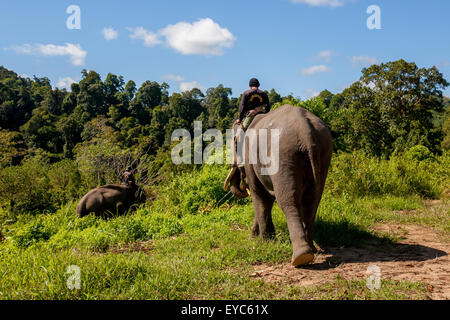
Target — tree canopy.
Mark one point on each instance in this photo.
(392, 107)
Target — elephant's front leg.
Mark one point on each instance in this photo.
(255, 228)
(120, 208)
(262, 223)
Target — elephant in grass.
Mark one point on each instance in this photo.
(111, 199)
(305, 149)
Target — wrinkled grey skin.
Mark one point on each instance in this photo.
(305, 149)
(109, 200)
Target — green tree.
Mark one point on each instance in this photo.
(274, 97)
(390, 109)
(113, 86)
(91, 95)
(406, 97)
(446, 131)
(187, 105)
(357, 123)
(219, 111)
(148, 96)
(326, 96)
(40, 132)
(53, 102)
(12, 148)
(16, 101)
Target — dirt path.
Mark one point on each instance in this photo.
(421, 257)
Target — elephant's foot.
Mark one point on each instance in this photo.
(268, 235)
(264, 235)
(302, 257)
(255, 231)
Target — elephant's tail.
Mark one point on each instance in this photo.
(312, 148)
(314, 159)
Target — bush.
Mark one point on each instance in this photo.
(419, 153)
(30, 234)
(37, 186)
(97, 234)
(26, 188)
(357, 174)
(200, 190)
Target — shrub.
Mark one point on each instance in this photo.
(31, 234)
(357, 174)
(93, 233)
(26, 188)
(37, 186)
(419, 153)
(198, 190)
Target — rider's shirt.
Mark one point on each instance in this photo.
(251, 99)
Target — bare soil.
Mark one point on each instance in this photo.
(421, 256)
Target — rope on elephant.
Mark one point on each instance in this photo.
(218, 202)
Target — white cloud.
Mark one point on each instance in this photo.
(314, 70)
(186, 86)
(203, 37)
(77, 55)
(363, 61)
(173, 77)
(149, 38)
(326, 55)
(312, 93)
(64, 82)
(443, 64)
(110, 34)
(321, 3)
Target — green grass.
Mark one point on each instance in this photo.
(344, 289)
(193, 241)
(202, 256)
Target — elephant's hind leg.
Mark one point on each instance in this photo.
(309, 208)
(262, 223)
(288, 199)
(120, 208)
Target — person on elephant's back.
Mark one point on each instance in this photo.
(253, 101)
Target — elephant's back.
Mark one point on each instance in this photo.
(294, 121)
(113, 191)
(86, 202)
(299, 130)
(287, 116)
(82, 204)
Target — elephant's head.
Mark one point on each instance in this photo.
(234, 176)
(135, 193)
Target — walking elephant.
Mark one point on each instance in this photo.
(305, 149)
(110, 199)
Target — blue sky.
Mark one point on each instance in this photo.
(295, 46)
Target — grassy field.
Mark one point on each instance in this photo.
(194, 242)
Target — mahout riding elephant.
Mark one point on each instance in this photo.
(304, 154)
(111, 199)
